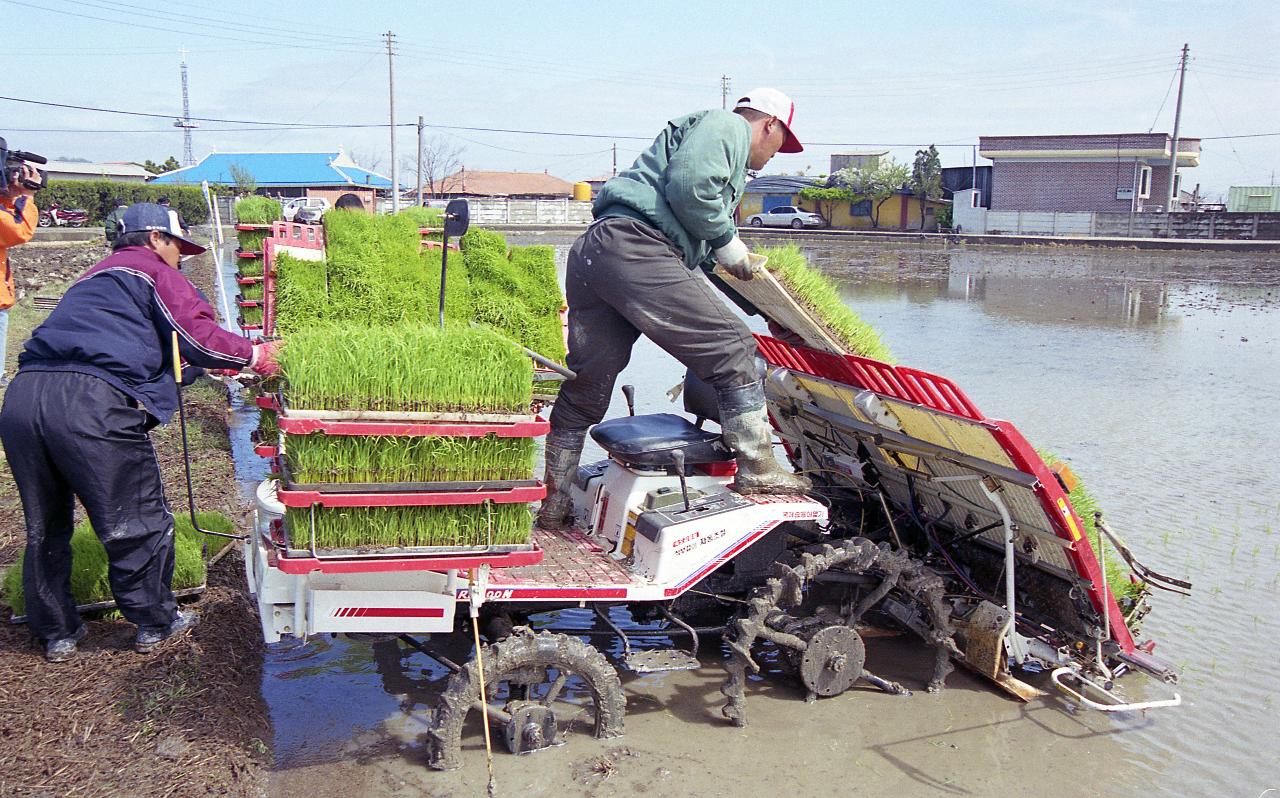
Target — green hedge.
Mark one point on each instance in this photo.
(96, 196)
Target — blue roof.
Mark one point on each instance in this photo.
(274, 169)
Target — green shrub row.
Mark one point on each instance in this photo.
(98, 197)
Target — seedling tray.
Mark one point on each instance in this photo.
(249, 280)
(435, 558)
(111, 605)
(266, 402)
(245, 227)
(488, 486)
(417, 498)
(532, 428)
(405, 417)
(248, 254)
(248, 303)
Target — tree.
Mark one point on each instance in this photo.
(154, 168)
(441, 159)
(877, 184)
(244, 182)
(926, 178)
(825, 199)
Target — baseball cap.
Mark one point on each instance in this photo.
(774, 103)
(144, 216)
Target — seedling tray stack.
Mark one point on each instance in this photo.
(410, 439)
(438, 486)
(251, 275)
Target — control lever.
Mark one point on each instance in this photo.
(629, 391)
(677, 459)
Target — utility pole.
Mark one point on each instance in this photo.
(188, 159)
(615, 163)
(724, 92)
(391, 86)
(420, 126)
(1177, 119)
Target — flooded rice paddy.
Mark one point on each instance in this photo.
(1157, 375)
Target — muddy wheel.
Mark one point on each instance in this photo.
(822, 643)
(540, 687)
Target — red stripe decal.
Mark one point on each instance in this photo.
(400, 612)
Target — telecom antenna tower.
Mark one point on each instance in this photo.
(185, 122)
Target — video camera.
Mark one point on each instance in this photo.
(11, 171)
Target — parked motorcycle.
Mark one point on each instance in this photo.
(57, 216)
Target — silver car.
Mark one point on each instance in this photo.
(786, 216)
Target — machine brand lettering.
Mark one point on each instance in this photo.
(464, 594)
(690, 542)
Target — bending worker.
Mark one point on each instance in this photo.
(92, 381)
(634, 272)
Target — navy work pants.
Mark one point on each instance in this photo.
(625, 279)
(69, 435)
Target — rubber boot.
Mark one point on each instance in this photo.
(563, 450)
(745, 429)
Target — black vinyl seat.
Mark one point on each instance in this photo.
(648, 441)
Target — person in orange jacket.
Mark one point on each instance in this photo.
(18, 217)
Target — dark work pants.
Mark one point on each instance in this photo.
(625, 279)
(70, 435)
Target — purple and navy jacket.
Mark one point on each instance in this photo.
(116, 323)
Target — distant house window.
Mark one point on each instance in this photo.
(1144, 183)
(928, 211)
(973, 200)
(860, 208)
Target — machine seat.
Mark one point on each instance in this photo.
(649, 440)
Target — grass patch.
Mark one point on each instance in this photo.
(301, 297)
(416, 368)
(324, 458)
(257, 210)
(460, 525)
(818, 295)
(252, 291)
(251, 267)
(1117, 572)
(89, 584)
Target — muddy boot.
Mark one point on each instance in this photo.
(745, 429)
(563, 450)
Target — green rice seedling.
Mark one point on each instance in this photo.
(250, 267)
(1117, 573)
(817, 294)
(406, 368)
(424, 217)
(251, 315)
(252, 291)
(89, 584)
(268, 428)
(323, 458)
(300, 294)
(539, 284)
(516, 291)
(251, 240)
(385, 527)
(257, 210)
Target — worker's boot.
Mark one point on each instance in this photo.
(563, 450)
(745, 429)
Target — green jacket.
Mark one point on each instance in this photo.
(687, 184)
(109, 224)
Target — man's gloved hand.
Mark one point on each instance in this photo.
(264, 358)
(735, 259)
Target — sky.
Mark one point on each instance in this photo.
(864, 76)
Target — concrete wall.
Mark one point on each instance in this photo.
(1242, 226)
(550, 211)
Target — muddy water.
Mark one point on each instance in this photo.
(1155, 375)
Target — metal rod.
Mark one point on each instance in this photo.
(186, 453)
(992, 489)
(444, 273)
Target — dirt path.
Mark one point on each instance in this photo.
(189, 719)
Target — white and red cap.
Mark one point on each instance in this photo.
(774, 103)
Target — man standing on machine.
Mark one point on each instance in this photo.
(92, 381)
(633, 272)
